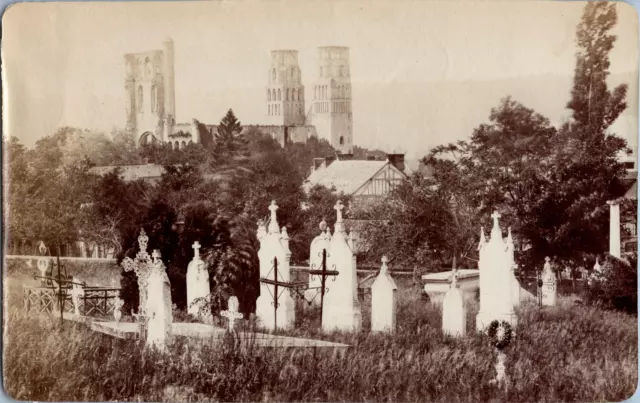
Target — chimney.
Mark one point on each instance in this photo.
(397, 160)
(328, 160)
(317, 163)
(345, 157)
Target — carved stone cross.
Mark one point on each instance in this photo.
(495, 216)
(384, 267)
(273, 221)
(196, 248)
(232, 313)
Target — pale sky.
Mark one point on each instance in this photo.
(423, 72)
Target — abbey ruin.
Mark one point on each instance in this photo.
(150, 86)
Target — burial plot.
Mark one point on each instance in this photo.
(383, 301)
(275, 307)
(341, 310)
(198, 288)
(495, 280)
(454, 312)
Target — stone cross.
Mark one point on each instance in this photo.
(196, 248)
(273, 221)
(232, 313)
(384, 267)
(338, 207)
(117, 309)
(155, 255)
(141, 265)
(76, 292)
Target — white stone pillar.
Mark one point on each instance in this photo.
(341, 310)
(549, 285)
(495, 281)
(614, 228)
(383, 301)
(274, 312)
(454, 312)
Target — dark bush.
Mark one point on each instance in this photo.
(615, 285)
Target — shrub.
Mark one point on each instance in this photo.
(615, 285)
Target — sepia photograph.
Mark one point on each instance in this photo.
(320, 201)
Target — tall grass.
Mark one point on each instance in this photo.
(564, 353)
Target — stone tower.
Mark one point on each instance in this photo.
(150, 90)
(285, 92)
(331, 112)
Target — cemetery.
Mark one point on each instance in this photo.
(495, 340)
(248, 267)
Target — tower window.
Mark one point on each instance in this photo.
(269, 95)
(176, 146)
(273, 95)
(269, 110)
(341, 140)
(279, 97)
(300, 94)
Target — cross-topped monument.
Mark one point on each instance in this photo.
(196, 249)
(141, 265)
(232, 313)
(339, 227)
(273, 220)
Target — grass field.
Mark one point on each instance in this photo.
(567, 353)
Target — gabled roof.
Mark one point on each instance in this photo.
(130, 173)
(346, 176)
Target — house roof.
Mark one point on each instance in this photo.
(346, 176)
(132, 172)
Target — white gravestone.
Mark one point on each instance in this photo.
(274, 246)
(341, 310)
(77, 291)
(454, 311)
(495, 280)
(43, 265)
(232, 313)
(159, 306)
(117, 309)
(614, 228)
(319, 244)
(198, 288)
(383, 301)
(515, 284)
(549, 285)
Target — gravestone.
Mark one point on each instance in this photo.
(117, 309)
(549, 285)
(454, 312)
(515, 284)
(77, 291)
(383, 301)
(159, 305)
(198, 288)
(495, 280)
(275, 307)
(341, 310)
(319, 243)
(232, 313)
(141, 265)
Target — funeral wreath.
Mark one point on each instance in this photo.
(500, 334)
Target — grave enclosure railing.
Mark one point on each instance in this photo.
(96, 301)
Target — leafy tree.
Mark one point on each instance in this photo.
(229, 138)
